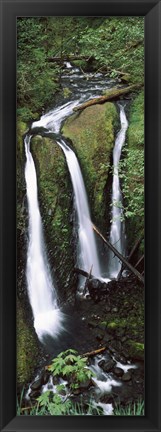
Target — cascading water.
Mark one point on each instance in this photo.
(117, 236)
(42, 294)
(87, 250)
(48, 320)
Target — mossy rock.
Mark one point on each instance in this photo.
(92, 133)
(21, 129)
(27, 347)
(136, 350)
(20, 156)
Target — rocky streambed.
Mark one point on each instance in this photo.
(111, 321)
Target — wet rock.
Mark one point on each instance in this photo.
(115, 310)
(35, 394)
(108, 366)
(120, 332)
(92, 323)
(107, 309)
(106, 399)
(116, 346)
(118, 371)
(85, 385)
(37, 384)
(120, 359)
(107, 338)
(101, 363)
(124, 339)
(112, 349)
(126, 355)
(126, 376)
(99, 336)
(45, 377)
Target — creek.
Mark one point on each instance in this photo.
(49, 321)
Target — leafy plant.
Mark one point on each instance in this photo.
(53, 403)
(72, 366)
(132, 175)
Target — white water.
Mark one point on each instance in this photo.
(87, 250)
(68, 65)
(42, 294)
(53, 119)
(117, 226)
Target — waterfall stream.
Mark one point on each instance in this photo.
(87, 251)
(117, 234)
(42, 294)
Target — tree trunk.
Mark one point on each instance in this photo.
(112, 94)
(65, 58)
(122, 259)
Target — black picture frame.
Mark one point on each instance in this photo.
(151, 10)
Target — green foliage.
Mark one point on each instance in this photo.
(36, 81)
(117, 43)
(53, 404)
(132, 174)
(71, 365)
(132, 409)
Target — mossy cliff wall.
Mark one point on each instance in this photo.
(92, 137)
(135, 171)
(27, 344)
(27, 347)
(92, 133)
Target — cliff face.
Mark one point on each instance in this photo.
(92, 133)
(133, 186)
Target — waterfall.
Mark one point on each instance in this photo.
(117, 226)
(41, 291)
(87, 250)
(68, 65)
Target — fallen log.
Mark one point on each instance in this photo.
(95, 352)
(134, 249)
(122, 259)
(65, 58)
(82, 272)
(139, 261)
(112, 94)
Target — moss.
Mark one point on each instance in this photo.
(27, 350)
(136, 349)
(21, 129)
(92, 135)
(117, 323)
(135, 133)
